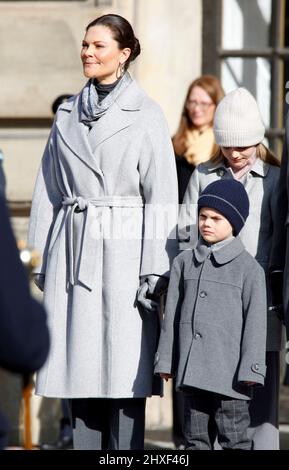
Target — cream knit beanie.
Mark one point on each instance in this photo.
(237, 121)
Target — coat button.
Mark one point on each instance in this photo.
(203, 294)
(197, 335)
(221, 172)
(256, 367)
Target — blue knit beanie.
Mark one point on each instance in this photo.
(229, 197)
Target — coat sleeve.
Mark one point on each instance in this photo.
(253, 347)
(158, 180)
(166, 357)
(24, 340)
(46, 202)
(188, 216)
(278, 249)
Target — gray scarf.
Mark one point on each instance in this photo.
(91, 109)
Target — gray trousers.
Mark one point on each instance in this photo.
(230, 416)
(108, 424)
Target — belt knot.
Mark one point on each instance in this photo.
(81, 202)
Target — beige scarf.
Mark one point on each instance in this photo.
(200, 146)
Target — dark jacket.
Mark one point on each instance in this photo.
(184, 172)
(280, 247)
(24, 339)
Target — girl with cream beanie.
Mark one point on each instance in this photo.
(239, 131)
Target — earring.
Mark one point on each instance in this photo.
(120, 70)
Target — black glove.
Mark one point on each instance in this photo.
(276, 285)
(39, 281)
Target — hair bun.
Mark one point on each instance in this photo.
(136, 49)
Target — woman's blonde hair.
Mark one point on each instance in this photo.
(262, 152)
(213, 87)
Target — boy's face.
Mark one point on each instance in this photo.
(213, 226)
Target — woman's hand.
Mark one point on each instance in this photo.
(143, 297)
(151, 288)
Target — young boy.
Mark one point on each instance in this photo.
(213, 337)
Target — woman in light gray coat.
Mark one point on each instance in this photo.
(239, 131)
(107, 173)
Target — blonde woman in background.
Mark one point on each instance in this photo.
(194, 141)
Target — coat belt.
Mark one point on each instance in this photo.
(90, 245)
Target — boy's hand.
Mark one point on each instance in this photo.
(166, 377)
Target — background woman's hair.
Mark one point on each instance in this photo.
(122, 33)
(263, 153)
(213, 87)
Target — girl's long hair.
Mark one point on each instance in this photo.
(263, 153)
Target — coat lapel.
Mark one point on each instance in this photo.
(122, 113)
(114, 121)
(74, 134)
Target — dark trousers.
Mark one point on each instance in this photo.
(178, 416)
(231, 418)
(108, 424)
(264, 407)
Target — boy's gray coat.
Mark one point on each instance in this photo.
(261, 185)
(89, 186)
(214, 331)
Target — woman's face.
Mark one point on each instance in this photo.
(200, 107)
(237, 157)
(101, 55)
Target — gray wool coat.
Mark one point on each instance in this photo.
(214, 331)
(261, 184)
(93, 221)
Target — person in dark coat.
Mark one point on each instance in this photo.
(2, 175)
(24, 338)
(279, 262)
